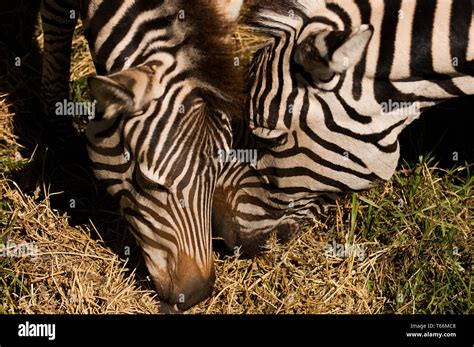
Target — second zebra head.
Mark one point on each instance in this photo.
(164, 115)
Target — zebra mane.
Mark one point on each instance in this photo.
(215, 66)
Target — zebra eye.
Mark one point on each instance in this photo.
(274, 141)
(144, 182)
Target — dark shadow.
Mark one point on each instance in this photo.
(65, 173)
(446, 131)
(20, 64)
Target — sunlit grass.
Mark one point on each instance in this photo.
(422, 222)
(416, 234)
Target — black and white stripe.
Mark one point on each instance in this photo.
(329, 93)
(166, 95)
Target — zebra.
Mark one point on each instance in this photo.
(328, 94)
(166, 93)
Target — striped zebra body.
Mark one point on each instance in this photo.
(165, 97)
(329, 93)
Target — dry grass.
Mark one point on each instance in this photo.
(408, 264)
(75, 273)
(67, 271)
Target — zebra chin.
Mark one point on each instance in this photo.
(248, 243)
(248, 236)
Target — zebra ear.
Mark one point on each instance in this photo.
(112, 96)
(352, 49)
(331, 52)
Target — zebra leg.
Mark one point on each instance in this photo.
(59, 18)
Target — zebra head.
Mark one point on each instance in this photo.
(155, 142)
(303, 106)
(297, 170)
(329, 92)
